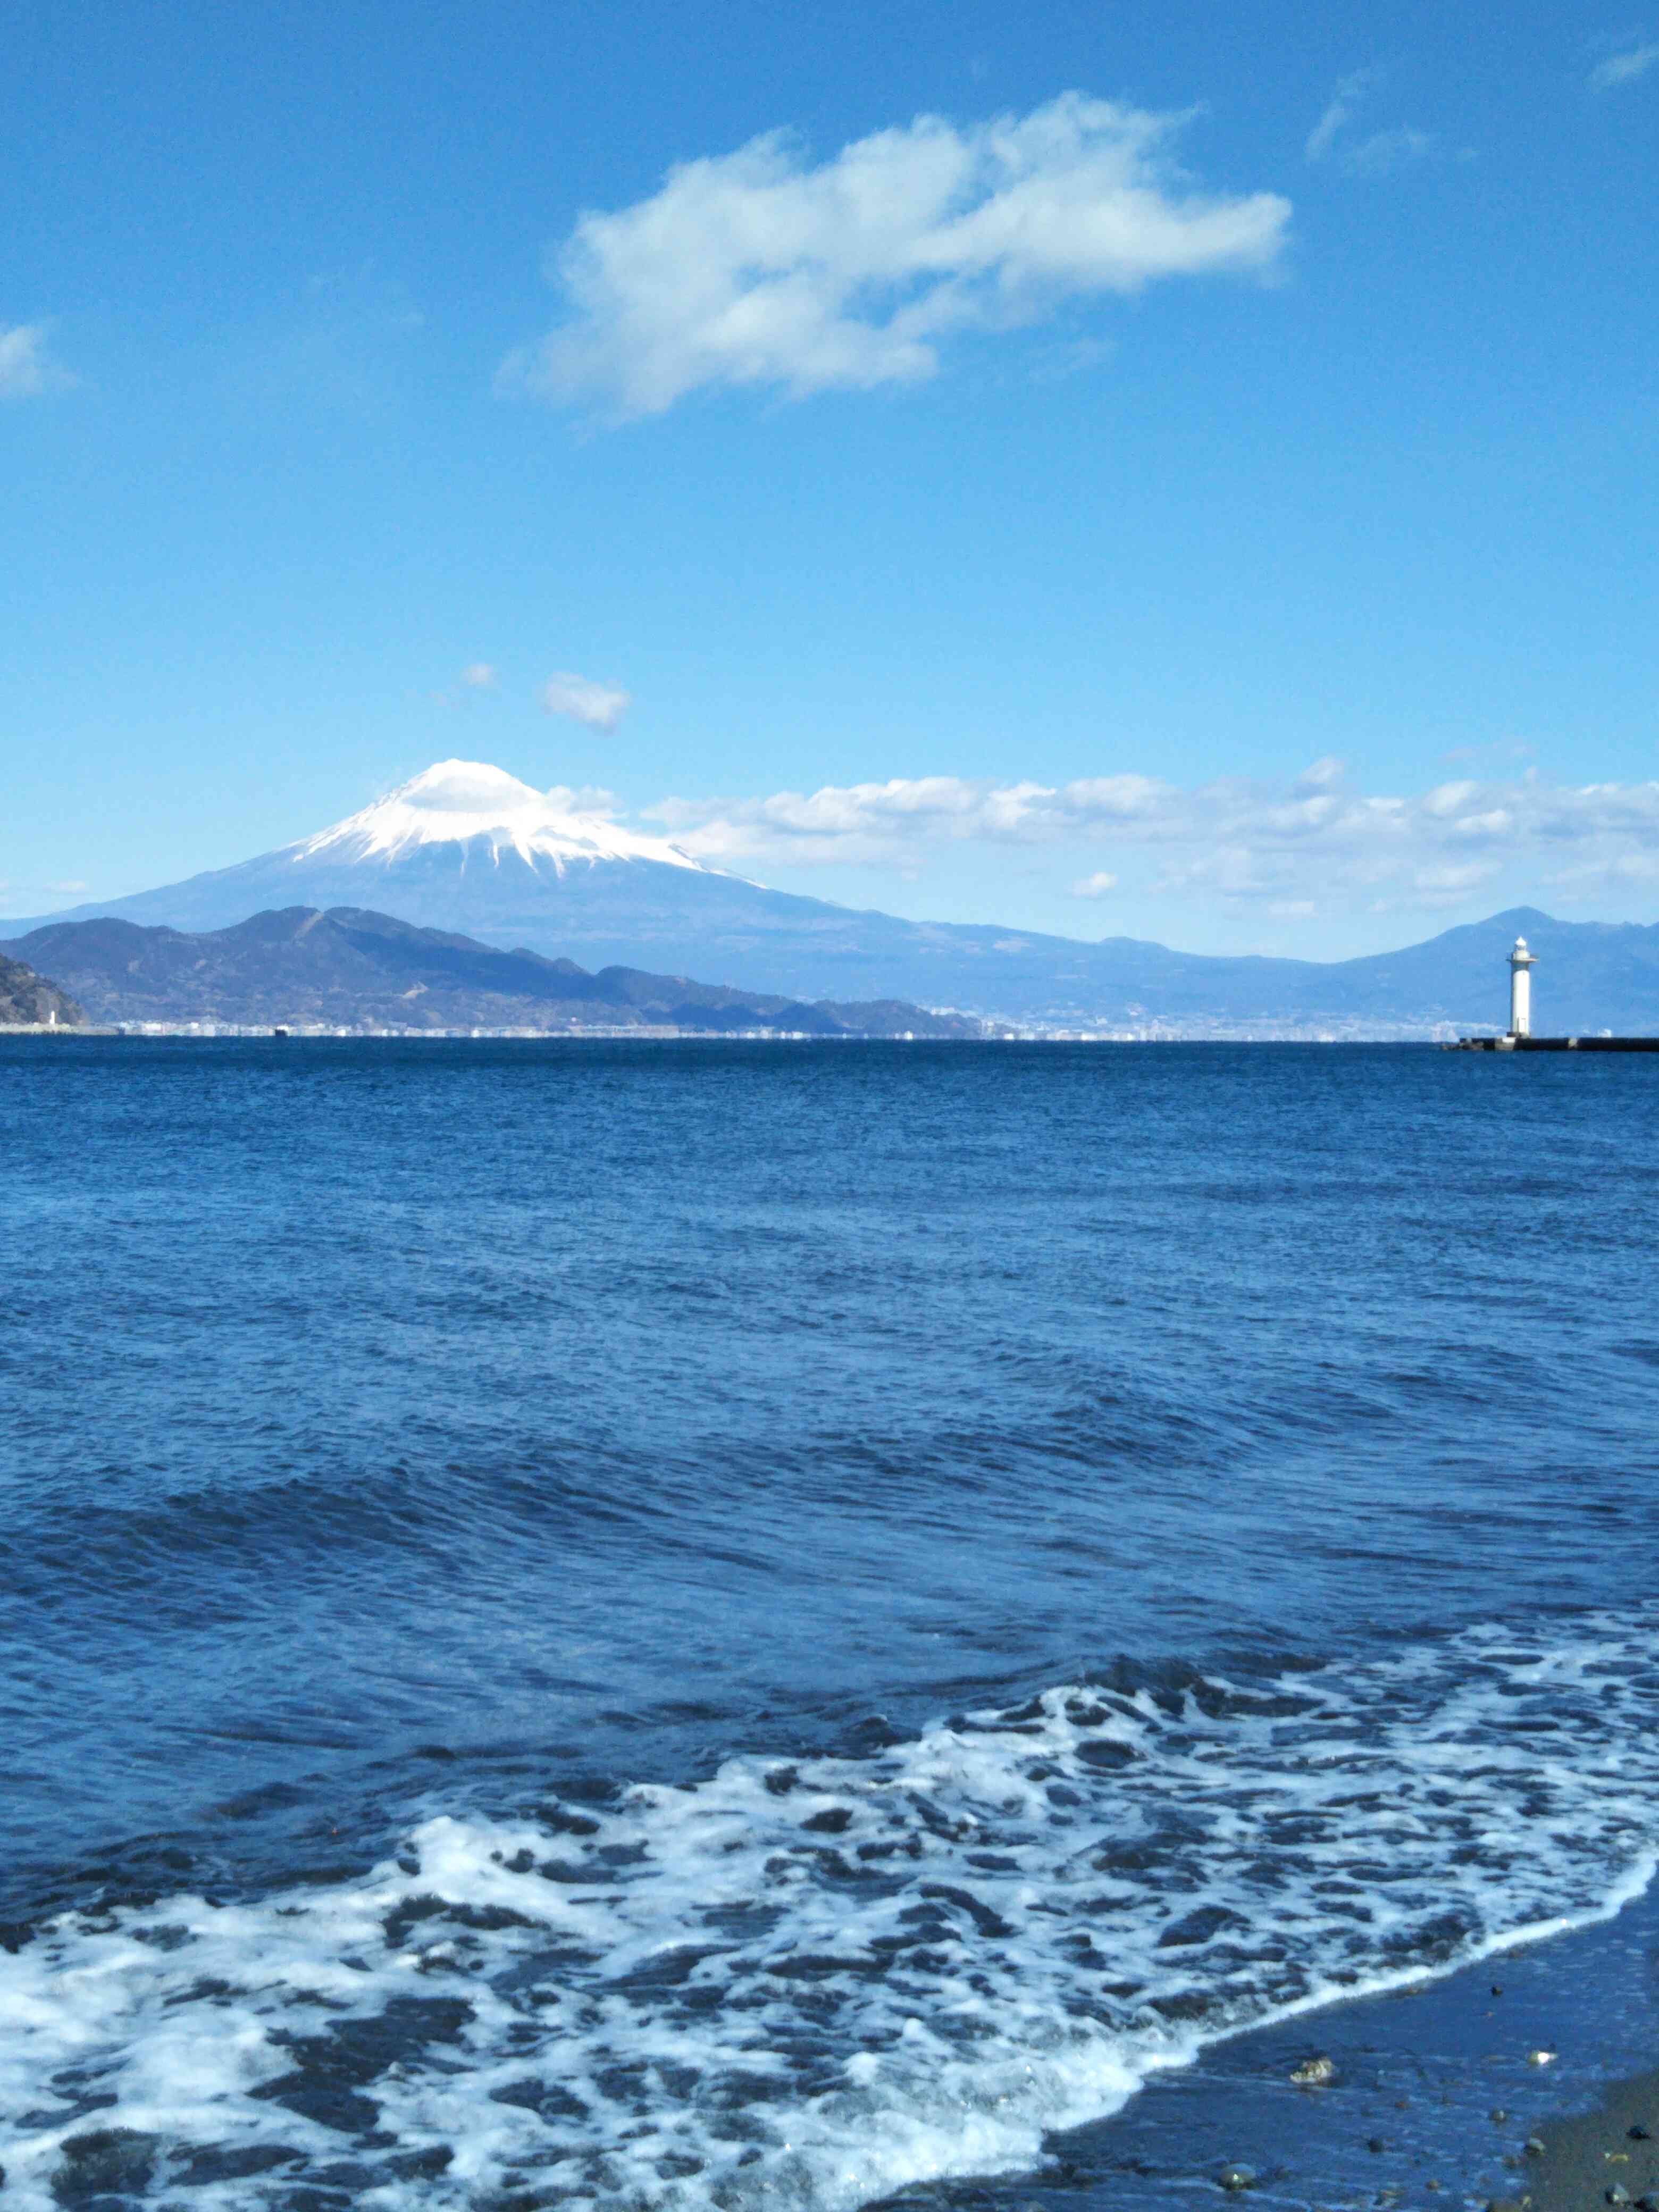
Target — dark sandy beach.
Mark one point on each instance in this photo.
(1609, 2154)
(1434, 2096)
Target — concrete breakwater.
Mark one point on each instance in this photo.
(1519, 1037)
(1555, 1044)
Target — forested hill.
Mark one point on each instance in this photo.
(354, 969)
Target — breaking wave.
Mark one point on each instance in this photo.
(811, 1984)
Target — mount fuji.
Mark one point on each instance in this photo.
(467, 848)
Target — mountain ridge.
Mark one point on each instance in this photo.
(351, 968)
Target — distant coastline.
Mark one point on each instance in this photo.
(466, 852)
(644, 1033)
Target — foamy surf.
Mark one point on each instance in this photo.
(813, 1983)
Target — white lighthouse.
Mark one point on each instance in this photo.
(1521, 963)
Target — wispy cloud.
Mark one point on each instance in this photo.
(477, 678)
(26, 368)
(1387, 150)
(1322, 774)
(1505, 749)
(1314, 836)
(1378, 153)
(599, 706)
(1624, 68)
(1351, 90)
(25, 898)
(758, 268)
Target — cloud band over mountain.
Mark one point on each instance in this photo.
(1319, 837)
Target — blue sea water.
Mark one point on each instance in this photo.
(709, 1623)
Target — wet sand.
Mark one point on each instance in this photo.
(1433, 2095)
(1608, 2155)
(1435, 2092)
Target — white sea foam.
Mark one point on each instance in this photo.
(812, 1984)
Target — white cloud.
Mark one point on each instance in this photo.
(600, 705)
(1448, 799)
(27, 369)
(1626, 68)
(755, 269)
(1316, 837)
(479, 676)
(585, 799)
(1455, 878)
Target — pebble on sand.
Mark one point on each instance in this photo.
(1313, 2071)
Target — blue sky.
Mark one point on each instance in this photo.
(1199, 484)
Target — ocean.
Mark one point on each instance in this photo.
(769, 1624)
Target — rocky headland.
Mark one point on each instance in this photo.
(31, 1001)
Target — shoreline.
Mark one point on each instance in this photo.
(1436, 2090)
(1433, 2097)
(997, 1033)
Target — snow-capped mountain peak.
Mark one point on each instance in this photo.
(456, 802)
